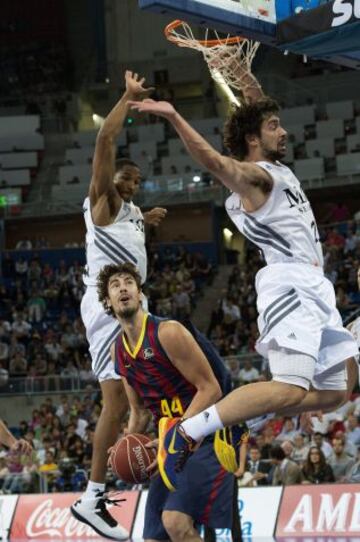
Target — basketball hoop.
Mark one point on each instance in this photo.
(229, 59)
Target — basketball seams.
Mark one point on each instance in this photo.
(129, 457)
(124, 447)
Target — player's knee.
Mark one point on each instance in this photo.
(177, 525)
(115, 403)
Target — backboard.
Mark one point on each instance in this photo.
(321, 29)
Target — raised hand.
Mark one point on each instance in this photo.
(161, 109)
(155, 216)
(22, 446)
(135, 85)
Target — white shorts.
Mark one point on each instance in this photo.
(297, 311)
(101, 332)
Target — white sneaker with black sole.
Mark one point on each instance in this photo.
(99, 518)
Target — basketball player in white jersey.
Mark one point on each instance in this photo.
(301, 331)
(115, 234)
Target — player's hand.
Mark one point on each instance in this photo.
(22, 446)
(135, 86)
(239, 473)
(155, 216)
(152, 468)
(161, 109)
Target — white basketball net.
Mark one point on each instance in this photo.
(229, 63)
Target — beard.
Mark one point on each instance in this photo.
(128, 313)
(273, 155)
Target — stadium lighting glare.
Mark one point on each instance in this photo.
(228, 234)
(196, 178)
(98, 121)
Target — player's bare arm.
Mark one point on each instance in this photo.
(188, 358)
(245, 178)
(104, 198)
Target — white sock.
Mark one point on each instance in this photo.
(203, 424)
(92, 490)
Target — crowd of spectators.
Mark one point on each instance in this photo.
(41, 332)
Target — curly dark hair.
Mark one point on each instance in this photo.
(247, 120)
(104, 277)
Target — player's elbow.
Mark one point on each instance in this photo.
(213, 391)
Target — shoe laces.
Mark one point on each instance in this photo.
(104, 499)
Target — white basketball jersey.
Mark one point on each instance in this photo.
(284, 228)
(121, 241)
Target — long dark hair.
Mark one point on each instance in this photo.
(244, 121)
(309, 467)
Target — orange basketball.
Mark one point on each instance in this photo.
(129, 458)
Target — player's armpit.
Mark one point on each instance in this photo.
(243, 177)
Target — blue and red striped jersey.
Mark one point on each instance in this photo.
(163, 389)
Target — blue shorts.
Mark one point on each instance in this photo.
(204, 492)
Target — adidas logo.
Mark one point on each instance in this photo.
(292, 336)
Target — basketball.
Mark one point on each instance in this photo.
(129, 458)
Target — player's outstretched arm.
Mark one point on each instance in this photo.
(188, 358)
(105, 148)
(240, 177)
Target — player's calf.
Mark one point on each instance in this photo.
(180, 527)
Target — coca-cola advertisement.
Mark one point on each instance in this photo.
(48, 517)
(320, 511)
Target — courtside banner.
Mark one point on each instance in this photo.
(7, 508)
(258, 509)
(47, 517)
(320, 511)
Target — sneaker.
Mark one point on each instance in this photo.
(99, 519)
(174, 449)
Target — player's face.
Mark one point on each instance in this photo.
(124, 295)
(127, 182)
(273, 139)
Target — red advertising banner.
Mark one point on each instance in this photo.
(323, 510)
(48, 517)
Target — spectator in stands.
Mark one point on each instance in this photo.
(288, 430)
(181, 303)
(248, 373)
(319, 441)
(286, 471)
(316, 470)
(49, 468)
(301, 449)
(353, 476)
(288, 448)
(17, 365)
(20, 327)
(36, 307)
(258, 468)
(339, 460)
(21, 268)
(353, 429)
